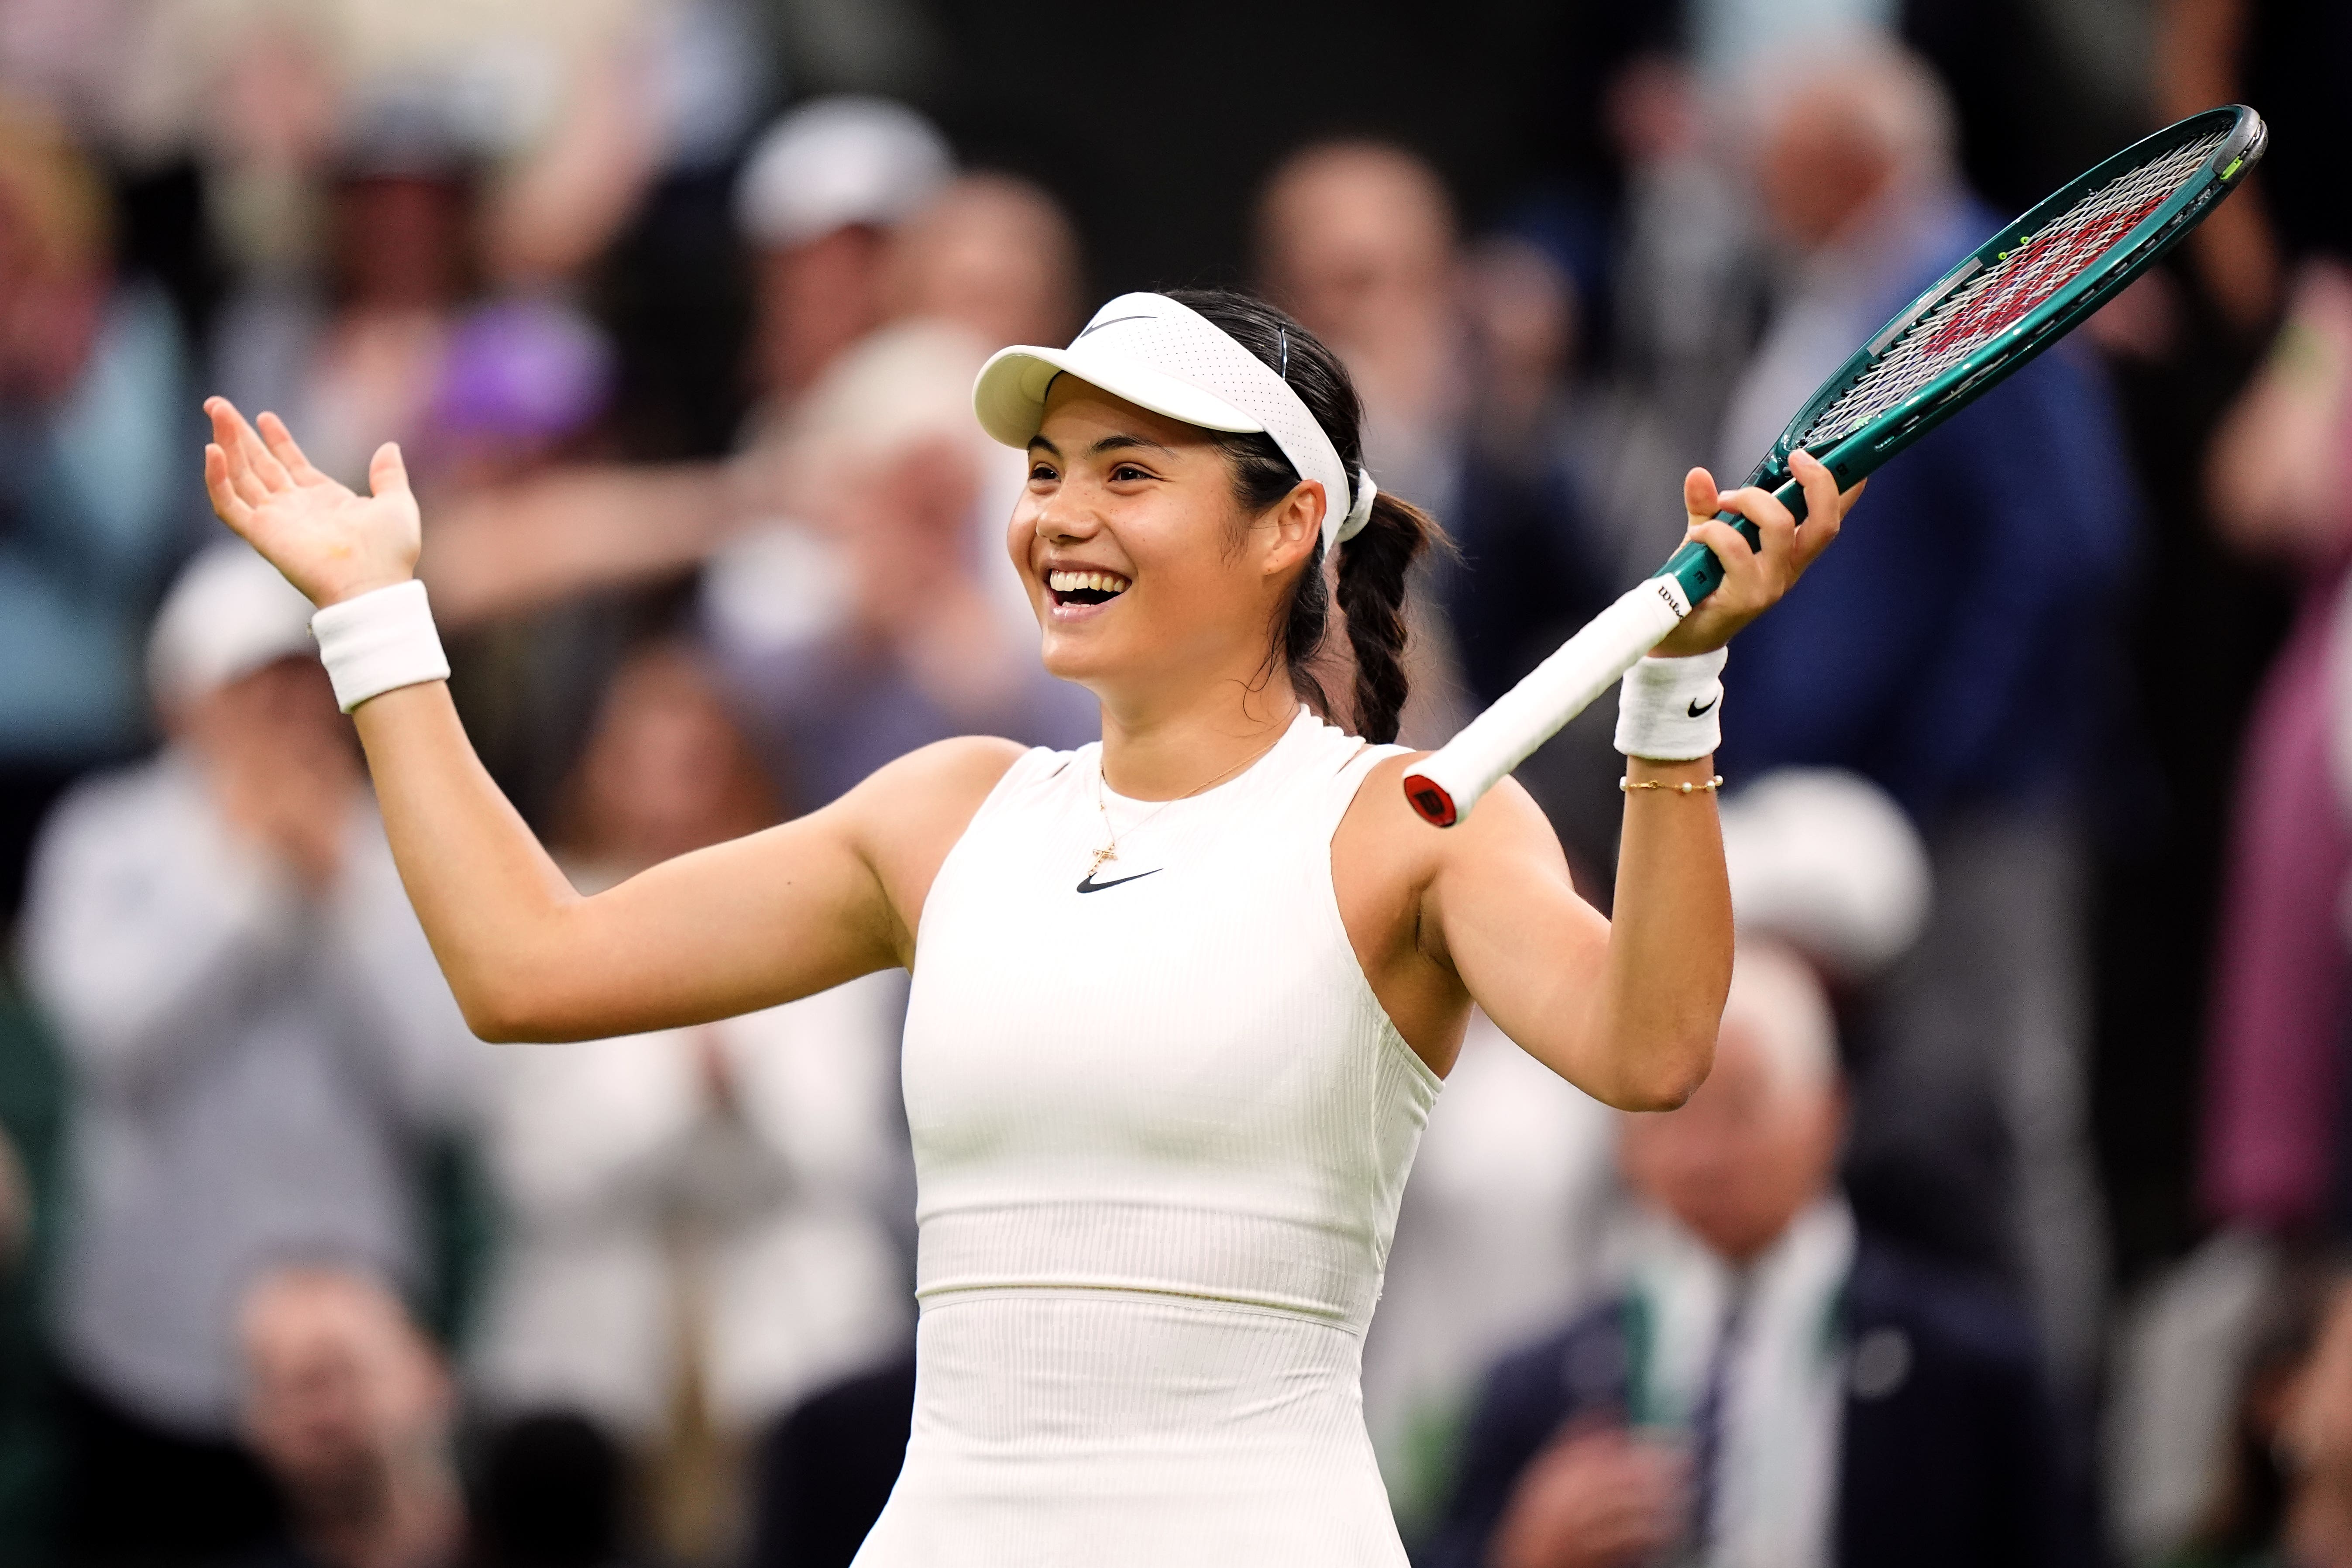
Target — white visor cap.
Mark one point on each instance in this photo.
(1161, 355)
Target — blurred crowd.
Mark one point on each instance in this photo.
(2010, 1226)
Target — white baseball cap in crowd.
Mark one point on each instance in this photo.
(1826, 859)
(228, 614)
(1159, 354)
(838, 161)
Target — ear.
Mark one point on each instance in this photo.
(1291, 526)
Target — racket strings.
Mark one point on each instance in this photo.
(1987, 304)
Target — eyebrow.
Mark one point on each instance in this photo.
(1107, 444)
(1127, 443)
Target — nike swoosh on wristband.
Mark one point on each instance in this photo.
(1090, 886)
(1697, 712)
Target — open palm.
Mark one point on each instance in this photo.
(329, 541)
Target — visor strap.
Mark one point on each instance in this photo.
(1357, 515)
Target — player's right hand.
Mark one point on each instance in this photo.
(328, 540)
(1755, 579)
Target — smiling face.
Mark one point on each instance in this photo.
(1149, 579)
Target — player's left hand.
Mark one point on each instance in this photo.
(1754, 580)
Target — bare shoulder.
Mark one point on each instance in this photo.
(946, 771)
(907, 815)
(1389, 869)
(1381, 825)
(929, 791)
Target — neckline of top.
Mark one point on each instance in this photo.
(1305, 717)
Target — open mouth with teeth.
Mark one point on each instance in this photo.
(1086, 588)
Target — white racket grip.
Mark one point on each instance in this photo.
(1452, 779)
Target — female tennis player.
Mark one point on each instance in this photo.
(1181, 999)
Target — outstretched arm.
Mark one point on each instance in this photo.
(738, 926)
(1626, 1008)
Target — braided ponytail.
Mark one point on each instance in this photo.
(1373, 566)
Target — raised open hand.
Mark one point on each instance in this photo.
(330, 543)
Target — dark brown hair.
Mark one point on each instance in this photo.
(1373, 565)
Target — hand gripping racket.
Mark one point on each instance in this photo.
(2023, 290)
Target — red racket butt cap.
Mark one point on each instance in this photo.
(1429, 799)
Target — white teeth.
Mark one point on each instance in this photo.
(1072, 582)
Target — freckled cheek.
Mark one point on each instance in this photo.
(1021, 536)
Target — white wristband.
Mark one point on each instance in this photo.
(1671, 709)
(377, 641)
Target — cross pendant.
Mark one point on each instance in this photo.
(1107, 853)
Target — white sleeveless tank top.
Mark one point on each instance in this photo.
(1162, 1127)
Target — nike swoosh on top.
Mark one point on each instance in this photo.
(1696, 710)
(1090, 886)
(1097, 327)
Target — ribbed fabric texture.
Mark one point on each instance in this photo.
(1161, 1130)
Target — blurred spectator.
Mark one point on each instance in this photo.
(2281, 1488)
(347, 1406)
(1953, 649)
(1773, 1385)
(1358, 240)
(396, 168)
(359, 363)
(695, 1237)
(987, 252)
(92, 483)
(1532, 568)
(1686, 304)
(260, 1045)
(568, 109)
(813, 624)
(818, 198)
(2281, 485)
(992, 254)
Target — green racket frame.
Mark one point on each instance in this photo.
(1858, 455)
(1448, 783)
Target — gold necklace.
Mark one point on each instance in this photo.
(1109, 851)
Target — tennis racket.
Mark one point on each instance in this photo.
(2023, 290)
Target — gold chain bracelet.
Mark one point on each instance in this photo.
(1686, 787)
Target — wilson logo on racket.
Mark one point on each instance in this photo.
(2030, 274)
